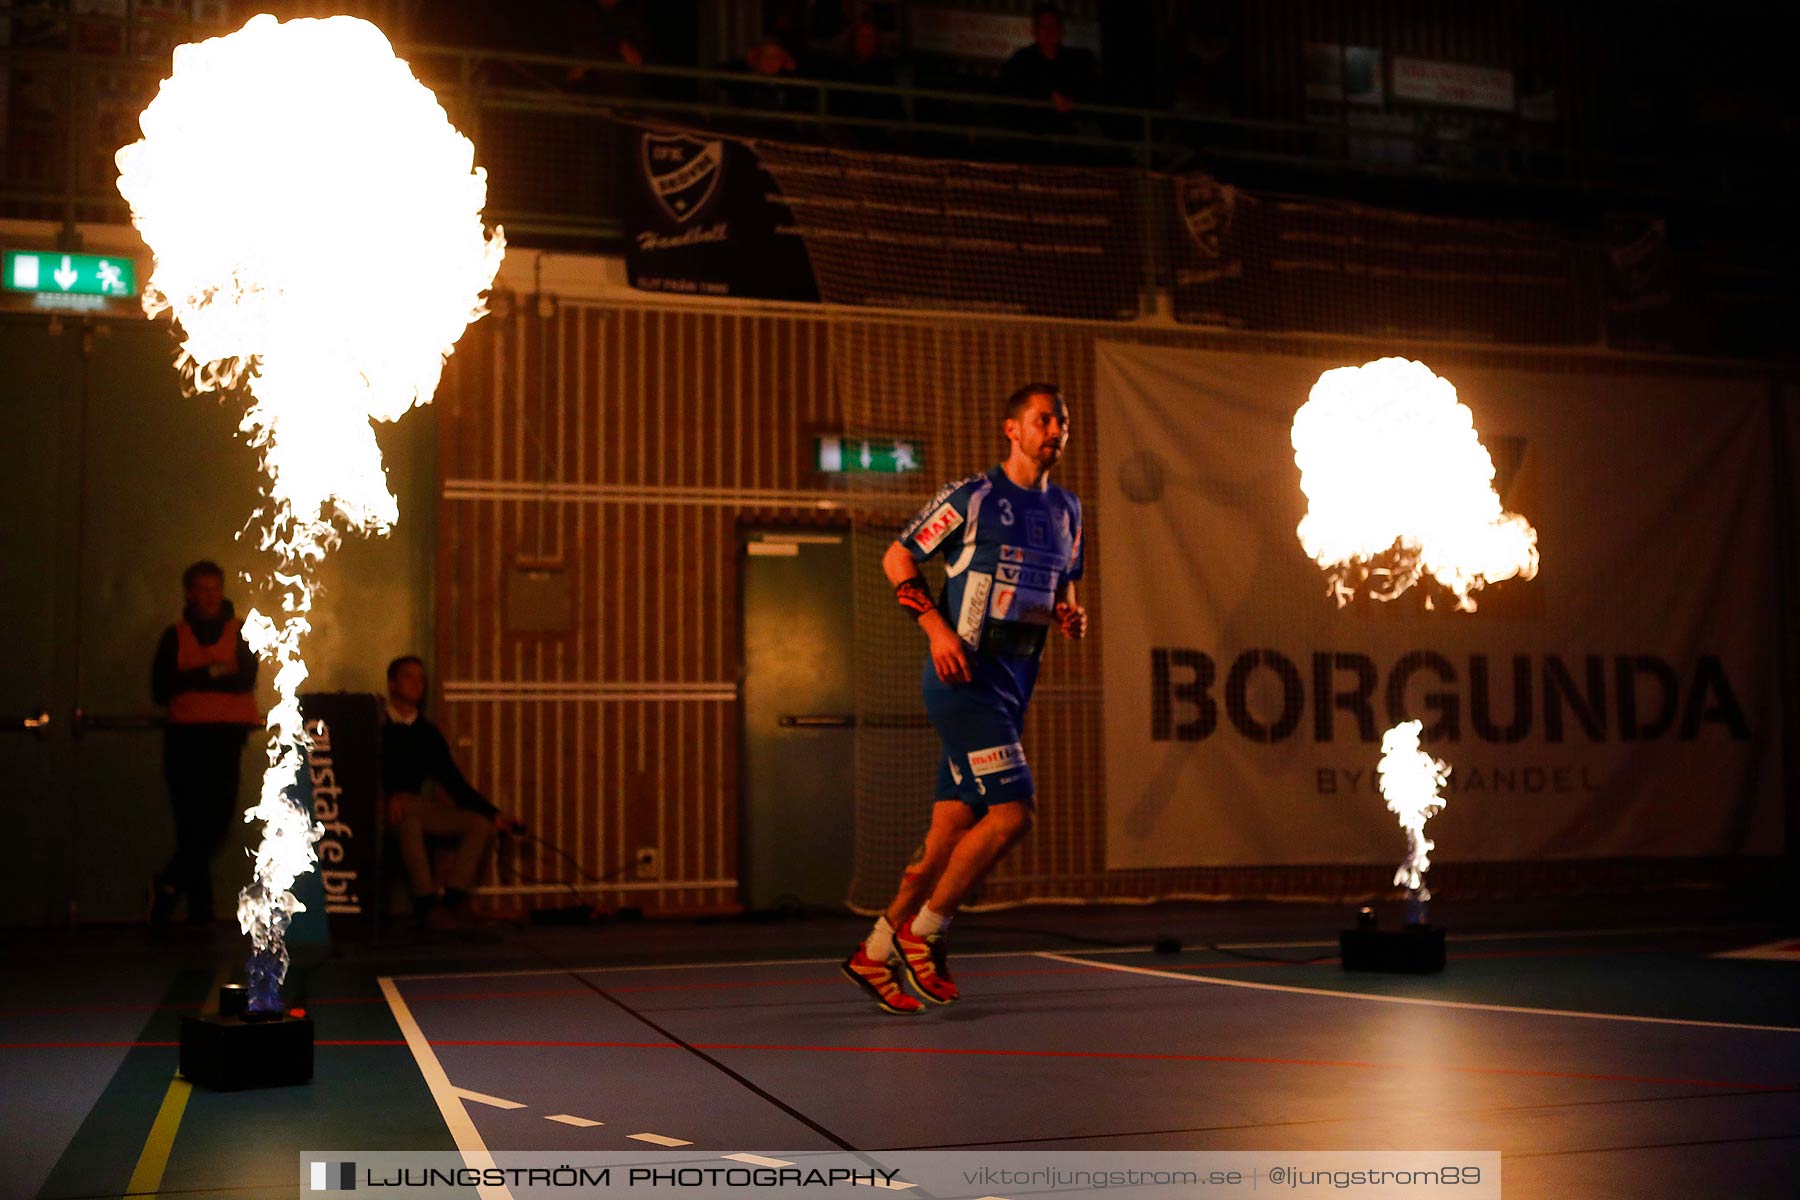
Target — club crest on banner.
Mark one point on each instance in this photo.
(1207, 208)
(683, 172)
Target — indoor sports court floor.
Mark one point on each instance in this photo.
(1606, 1049)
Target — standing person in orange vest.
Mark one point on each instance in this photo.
(206, 676)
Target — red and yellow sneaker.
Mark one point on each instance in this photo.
(923, 959)
(877, 979)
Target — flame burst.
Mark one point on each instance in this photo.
(1410, 779)
(316, 226)
(1399, 486)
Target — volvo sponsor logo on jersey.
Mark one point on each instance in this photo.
(996, 758)
(1037, 558)
(974, 607)
(933, 528)
(1027, 577)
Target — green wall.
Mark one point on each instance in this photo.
(113, 482)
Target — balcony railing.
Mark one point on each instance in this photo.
(546, 140)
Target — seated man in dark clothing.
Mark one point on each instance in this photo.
(1049, 70)
(413, 750)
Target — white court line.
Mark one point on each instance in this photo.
(484, 1098)
(757, 1160)
(577, 1122)
(1215, 981)
(657, 1139)
(747, 962)
(456, 1117)
(1786, 950)
(1521, 935)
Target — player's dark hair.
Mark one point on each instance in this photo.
(394, 667)
(1046, 10)
(1015, 403)
(206, 568)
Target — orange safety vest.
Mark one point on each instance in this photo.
(210, 708)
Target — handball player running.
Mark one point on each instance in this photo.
(1011, 542)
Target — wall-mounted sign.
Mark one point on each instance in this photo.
(866, 456)
(56, 273)
(1460, 84)
(991, 37)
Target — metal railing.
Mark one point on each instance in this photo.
(546, 143)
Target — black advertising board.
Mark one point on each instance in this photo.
(890, 231)
(703, 218)
(1290, 264)
(343, 778)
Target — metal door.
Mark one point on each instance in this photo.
(40, 371)
(798, 726)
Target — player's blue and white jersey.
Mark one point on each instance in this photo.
(1007, 550)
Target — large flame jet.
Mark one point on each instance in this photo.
(1410, 779)
(1398, 486)
(316, 226)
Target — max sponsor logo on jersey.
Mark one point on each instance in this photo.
(996, 758)
(935, 527)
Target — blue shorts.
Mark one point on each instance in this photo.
(983, 762)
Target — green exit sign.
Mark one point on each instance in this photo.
(866, 456)
(56, 273)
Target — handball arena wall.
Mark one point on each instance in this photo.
(622, 441)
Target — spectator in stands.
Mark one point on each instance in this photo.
(412, 752)
(1049, 70)
(206, 676)
(609, 31)
(826, 20)
(768, 60)
(864, 64)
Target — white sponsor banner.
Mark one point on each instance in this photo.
(1623, 703)
(1460, 84)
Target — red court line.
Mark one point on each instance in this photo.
(138, 1045)
(1111, 1055)
(832, 980)
(79, 1045)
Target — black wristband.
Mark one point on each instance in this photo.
(914, 596)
